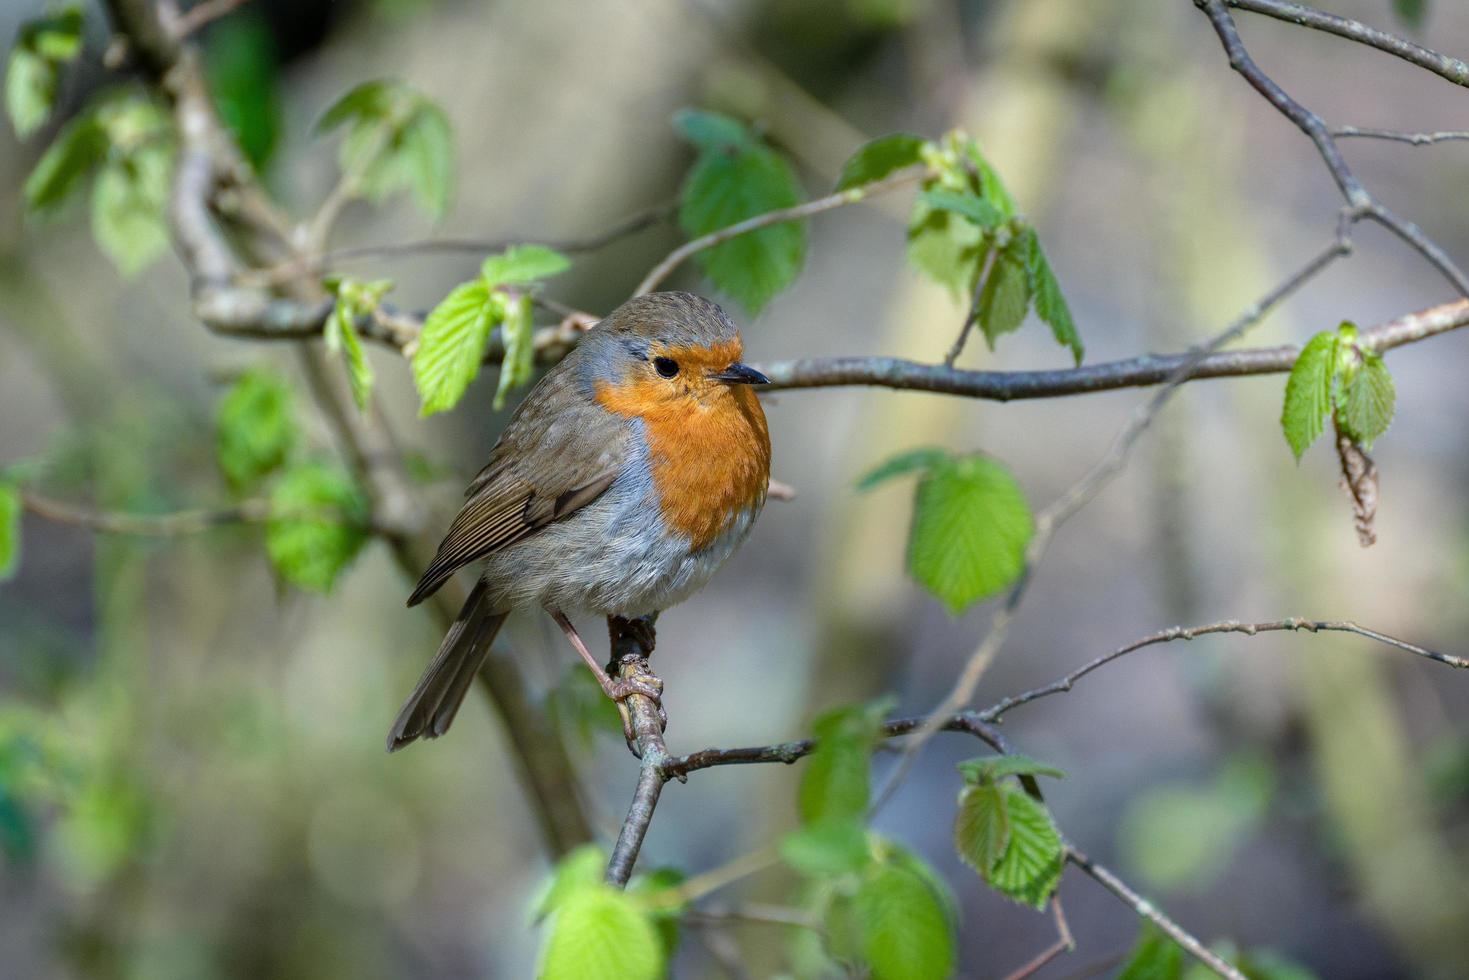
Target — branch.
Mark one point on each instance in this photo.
(1442, 65)
(1295, 624)
(147, 525)
(1152, 913)
(1063, 944)
(632, 642)
(674, 259)
(197, 16)
(1416, 139)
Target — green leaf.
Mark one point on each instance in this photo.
(520, 264)
(1030, 868)
(78, 148)
(600, 933)
(129, 203)
(913, 460)
(711, 130)
(982, 827)
(967, 205)
(255, 427)
(1050, 304)
(396, 138)
(317, 525)
(354, 300)
(650, 889)
(876, 159)
(1308, 393)
(1005, 297)
(242, 60)
(946, 248)
(832, 847)
(10, 511)
(905, 929)
(729, 183)
(990, 769)
(452, 344)
(971, 525)
(1367, 401)
(1154, 957)
(427, 145)
(834, 783)
(33, 73)
(1411, 12)
(519, 363)
(369, 100)
(581, 867)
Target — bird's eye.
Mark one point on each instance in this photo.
(666, 367)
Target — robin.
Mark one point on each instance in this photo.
(626, 477)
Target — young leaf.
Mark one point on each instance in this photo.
(1050, 304)
(34, 70)
(1367, 402)
(129, 199)
(581, 867)
(971, 525)
(427, 146)
(453, 344)
(1308, 393)
(1154, 957)
(652, 889)
(834, 784)
(711, 130)
(396, 138)
(982, 827)
(996, 767)
(520, 264)
(905, 929)
(876, 159)
(946, 248)
(317, 525)
(354, 299)
(255, 427)
(832, 847)
(1031, 866)
(924, 458)
(78, 148)
(10, 510)
(729, 183)
(600, 933)
(1005, 297)
(966, 204)
(519, 362)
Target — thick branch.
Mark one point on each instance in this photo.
(632, 643)
(1442, 65)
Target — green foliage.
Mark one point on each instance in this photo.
(1007, 835)
(735, 177)
(456, 333)
(915, 460)
(318, 525)
(997, 767)
(832, 847)
(581, 867)
(1156, 956)
(906, 932)
(1411, 12)
(578, 706)
(354, 300)
(128, 141)
(834, 784)
(255, 427)
(33, 73)
(10, 511)
(600, 933)
(395, 138)
(876, 159)
(1182, 834)
(241, 61)
(1334, 373)
(965, 234)
(652, 890)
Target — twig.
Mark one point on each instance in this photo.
(1063, 944)
(1416, 139)
(1295, 624)
(204, 13)
(177, 524)
(830, 202)
(1360, 204)
(1152, 913)
(1442, 65)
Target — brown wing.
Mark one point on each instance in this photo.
(558, 453)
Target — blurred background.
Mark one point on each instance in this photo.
(192, 779)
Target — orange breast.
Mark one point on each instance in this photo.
(710, 454)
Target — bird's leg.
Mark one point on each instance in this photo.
(618, 690)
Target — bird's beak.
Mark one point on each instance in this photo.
(740, 374)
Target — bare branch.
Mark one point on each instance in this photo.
(1063, 944)
(1442, 65)
(197, 16)
(853, 195)
(1416, 139)
(1294, 624)
(147, 525)
(632, 643)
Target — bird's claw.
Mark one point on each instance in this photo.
(621, 689)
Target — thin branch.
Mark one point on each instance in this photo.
(853, 195)
(1063, 944)
(1444, 66)
(197, 16)
(176, 524)
(1153, 914)
(632, 643)
(1295, 624)
(1416, 139)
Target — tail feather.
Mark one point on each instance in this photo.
(431, 708)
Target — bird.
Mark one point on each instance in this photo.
(625, 478)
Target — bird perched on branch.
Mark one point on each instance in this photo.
(626, 477)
